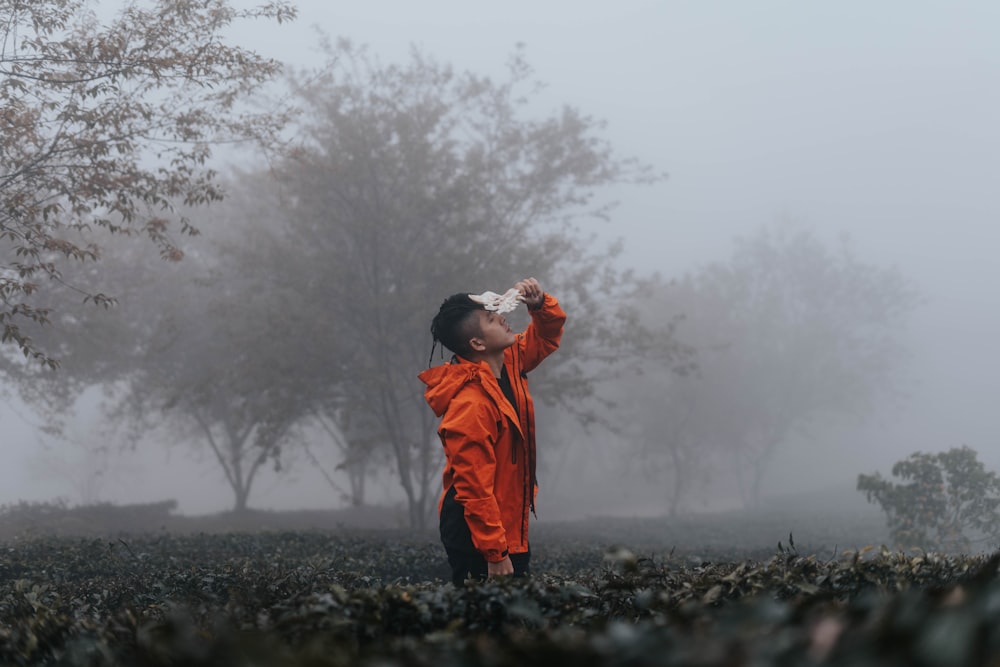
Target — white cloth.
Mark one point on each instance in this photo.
(501, 303)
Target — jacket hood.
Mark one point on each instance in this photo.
(445, 381)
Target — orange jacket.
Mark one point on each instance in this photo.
(489, 448)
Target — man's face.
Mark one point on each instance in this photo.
(496, 334)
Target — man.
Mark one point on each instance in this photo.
(488, 428)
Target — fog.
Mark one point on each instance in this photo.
(872, 120)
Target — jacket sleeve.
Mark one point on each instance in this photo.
(468, 432)
(543, 334)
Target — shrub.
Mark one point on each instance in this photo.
(946, 501)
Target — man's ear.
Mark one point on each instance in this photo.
(477, 344)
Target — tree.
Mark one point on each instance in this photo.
(109, 129)
(787, 332)
(217, 362)
(664, 415)
(943, 501)
(414, 182)
(220, 377)
(195, 355)
(356, 441)
(659, 414)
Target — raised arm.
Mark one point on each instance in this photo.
(543, 334)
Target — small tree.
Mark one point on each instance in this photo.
(945, 501)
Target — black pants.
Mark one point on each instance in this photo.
(463, 558)
(471, 565)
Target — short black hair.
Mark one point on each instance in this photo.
(455, 324)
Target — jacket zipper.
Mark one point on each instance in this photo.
(526, 498)
(513, 450)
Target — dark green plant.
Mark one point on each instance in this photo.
(341, 598)
(945, 501)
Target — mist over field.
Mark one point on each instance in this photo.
(838, 158)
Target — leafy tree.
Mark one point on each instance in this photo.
(194, 355)
(414, 182)
(220, 377)
(215, 363)
(109, 128)
(942, 501)
(788, 331)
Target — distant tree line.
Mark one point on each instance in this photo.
(301, 312)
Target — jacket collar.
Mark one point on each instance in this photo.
(446, 380)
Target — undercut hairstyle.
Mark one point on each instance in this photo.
(455, 323)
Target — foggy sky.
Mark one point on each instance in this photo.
(878, 120)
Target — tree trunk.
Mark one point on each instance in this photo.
(677, 492)
(242, 495)
(356, 475)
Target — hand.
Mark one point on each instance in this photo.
(503, 568)
(531, 293)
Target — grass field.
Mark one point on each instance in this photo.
(289, 590)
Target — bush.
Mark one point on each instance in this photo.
(946, 501)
